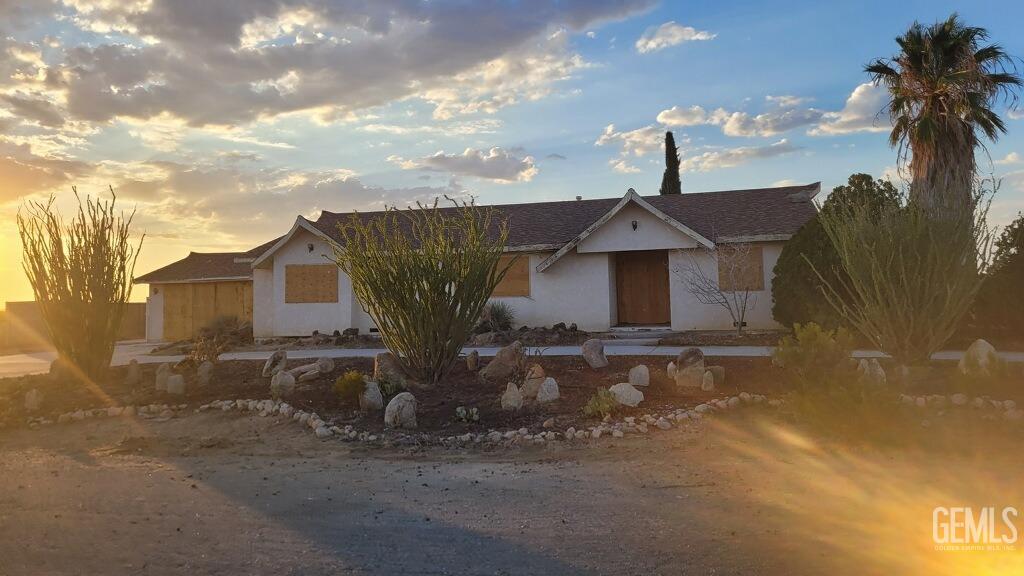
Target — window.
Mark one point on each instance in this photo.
(740, 267)
(310, 283)
(517, 280)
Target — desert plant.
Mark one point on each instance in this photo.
(814, 358)
(468, 416)
(424, 275)
(349, 386)
(496, 317)
(797, 293)
(81, 273)
(909, 276)
(601, 404)
(206, 349)
(942, 86)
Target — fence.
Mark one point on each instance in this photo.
(22, 327)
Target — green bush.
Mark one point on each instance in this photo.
(467, 416)
(349, 386)
(601, 404)
(814, 358)
(496, 317)
(998, 314)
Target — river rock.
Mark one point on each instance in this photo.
(512, 399)
(505, 363)
(401, 411)
(275, 363)
(593, 353)
(640, 375)
(626, 394)
(548, 391)
(282, 384)
(176, 384)
(980, 359)
(163, 372)
(371, 399)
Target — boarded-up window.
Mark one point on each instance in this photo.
(740, 268)
(517, 280)
(310, 283)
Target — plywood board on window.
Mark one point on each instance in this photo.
(310, 283)
(188, 308)
(517, 280)
(740, 268)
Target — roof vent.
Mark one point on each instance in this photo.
(579, 197)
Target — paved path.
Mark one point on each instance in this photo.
(35, 363)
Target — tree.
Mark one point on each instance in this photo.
(732, 284)
(997, 311)
(942, 87)
(81, 275)
(424, 275)
(670, 183)
(797, 291)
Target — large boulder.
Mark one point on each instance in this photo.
(689, 368)
(387, 369)
(534, 378)
(640, 375)
(282, 384)
(371, 399)
(512, 399)
(133, 374)
(626, 394)
(870, 372)
(593, 353)
(401, 411)
(980, 359)
(163, 372)
(309, 372)
(275, 363)
(548, 391)
(506, 362)
(689, 357)
(204, 373)
(176, 384)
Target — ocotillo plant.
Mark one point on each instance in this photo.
(423, 275)
(81, 273)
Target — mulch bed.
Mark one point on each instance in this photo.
(436, 406)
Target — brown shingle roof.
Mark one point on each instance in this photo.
(726, 214)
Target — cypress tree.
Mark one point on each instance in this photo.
(670, 180)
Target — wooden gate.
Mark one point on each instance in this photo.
(190, 307)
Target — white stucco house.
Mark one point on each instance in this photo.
(600, 264)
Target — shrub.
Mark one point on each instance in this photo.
(998, 311)
(424, 275)
(798, 295)
(388, 387)
(81, 275)
(349, 386)
(229, 330)
(601, 404)
(814, 358)
(496, 317)
(468, 416)
(206, 348)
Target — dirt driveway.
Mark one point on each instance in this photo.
(221, 494)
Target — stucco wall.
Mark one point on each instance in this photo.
(155, 314)
(617, 235)
(690, 314)
(263, 302)
(303, 319)
(577, 289)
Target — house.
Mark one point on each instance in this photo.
(597, 263)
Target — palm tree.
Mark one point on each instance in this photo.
(942, 86)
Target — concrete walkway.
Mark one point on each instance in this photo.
(39, 362)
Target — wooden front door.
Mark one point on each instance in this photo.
(641, 287)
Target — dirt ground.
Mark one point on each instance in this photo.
(232, 494)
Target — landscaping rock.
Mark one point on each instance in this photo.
(512, 399)
(371, 399)
(548, 391)
(473, 361)
(387, 369)
(534, 378)
(689, 357)
(719, 373)
(505, 363)
(959, 399)
(204, 373)
(401, 411)
(979, 359)
(640, 375)
(133, 374)
(626, 394)
(275, 363)
(323, 432)
(176, 384)
(870, 372)
(33, 399)
(671, 370)
(707, 383)
(282, 385)
(593, 353)
(163, 372)
(350, 332)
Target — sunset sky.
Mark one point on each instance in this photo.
(221, 120)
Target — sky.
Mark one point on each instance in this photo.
(220, 121)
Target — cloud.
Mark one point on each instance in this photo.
(34, 108)
(622, 166)
(731, 157)
(495, 164)
(863, 112)
(639, 142)
(787, 101)
(669, 34)
(769, 123)
(554, 156)
(1015, 114)
(23, 172)
(692, 116)
(1009, 159)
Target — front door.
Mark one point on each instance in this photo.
(641, 287)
